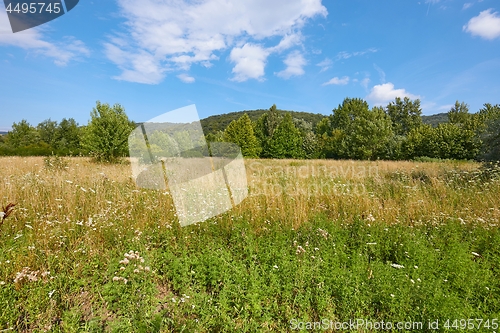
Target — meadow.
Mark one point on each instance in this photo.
(316, 241)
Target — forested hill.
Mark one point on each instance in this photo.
(435, 119)
(216, 123)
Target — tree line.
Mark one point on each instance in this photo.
(352, 131)
(356, 131)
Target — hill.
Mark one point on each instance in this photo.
(216, 123)
(435, 119)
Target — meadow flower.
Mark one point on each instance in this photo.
(275, 266)
(124, 261)
(397, 266)
(300, 249)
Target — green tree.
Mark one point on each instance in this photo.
(446, 141)
(286, 141)
(265, 127)
(490, 135)
(405, 115)
(367, 135)
(106, 135)
(354, 131)
(459, 113)
(68, 136)
(23, 135)
(47, 131)
(241, 132)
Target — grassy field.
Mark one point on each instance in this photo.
(316, 241)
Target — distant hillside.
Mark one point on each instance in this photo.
(435, 119)
(216, 123)
(3, 133)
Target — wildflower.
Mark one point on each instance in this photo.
(371, 243)
(392, 295)
(323, 233)
(124, 261)
(300, 249)
(275, 266)
(416, 266)
(147, 269)
(116, 278)
(122, 268)
(475, 254)
(412, 281)
(397, 266)
(136, 271)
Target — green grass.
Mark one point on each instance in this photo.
(251, 269)
(226, 277)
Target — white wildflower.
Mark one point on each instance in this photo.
(397, 266)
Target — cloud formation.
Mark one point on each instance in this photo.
(295, 62)
(186, 78)
(32, 40)
(486, 25)
(337, 81)
(250, 62)
(173, 34)
(382, 94)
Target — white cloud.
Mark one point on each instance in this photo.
(347, 55)
(186, 78)
(446, 107)
(250, 62)
(178, 34)
(337, 81)
(325, 64)
(365, 82)
(385, 93)
(467, 5)
(381, 73)
(295, 62)
(485, 25)
(32, 40)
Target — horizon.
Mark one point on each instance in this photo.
(305, 56)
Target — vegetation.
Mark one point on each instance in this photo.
(85, 250)
(352, 131)
(106, 136)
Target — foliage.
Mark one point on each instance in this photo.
(241, 132)
(286, 141)
(405, 115)
(106, 136)
(356, 132)
(22, 135)
(490, 134)
(412, 246)
(446, 141)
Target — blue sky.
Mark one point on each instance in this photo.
(153, 56)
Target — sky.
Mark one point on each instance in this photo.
(153, 56)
